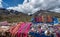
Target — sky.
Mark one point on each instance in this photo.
(31, 6)
(11, 3)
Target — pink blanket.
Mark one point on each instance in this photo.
(27, 30)
(20, 29)
(24, 30)
(14, 29)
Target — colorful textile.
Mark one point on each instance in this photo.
(39, 19)
(23, 31)
(15, 28)
(49, 19)
(38, 34)
(36, 19)
(42, 18)
(19, 33)
(4, 23)
(55, 20)
(57, 34)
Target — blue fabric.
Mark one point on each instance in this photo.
(32, 19)
(55, 20)
(38, 34)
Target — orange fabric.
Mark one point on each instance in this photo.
(13, 30)
(16, 28)
(49, 19)
(42, 18)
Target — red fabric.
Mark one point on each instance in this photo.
(40, 19)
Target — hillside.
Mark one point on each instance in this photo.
(13, 16)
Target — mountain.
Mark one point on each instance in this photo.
(45, 12)
(13, 16)
(7, 12)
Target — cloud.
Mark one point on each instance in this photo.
(56, 10)
(34, 5)
(1, 4)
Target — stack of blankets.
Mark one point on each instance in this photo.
(20, 30)
(4, 23)
(4, 31)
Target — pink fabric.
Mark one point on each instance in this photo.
(58, 34)
(4, 23)
(36, 19)
(15, 28)
(23, 30)
(20, 29)
(27, 30)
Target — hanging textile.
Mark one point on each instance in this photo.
(49, 19)
(36, 19)
(55, 21)
(40, 19)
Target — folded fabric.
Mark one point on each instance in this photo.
(57, 34)
(4, 23)
(10, 30)
(27, 30)
(15, 28)
(22, 31)
(19, 33)
(38, 34)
